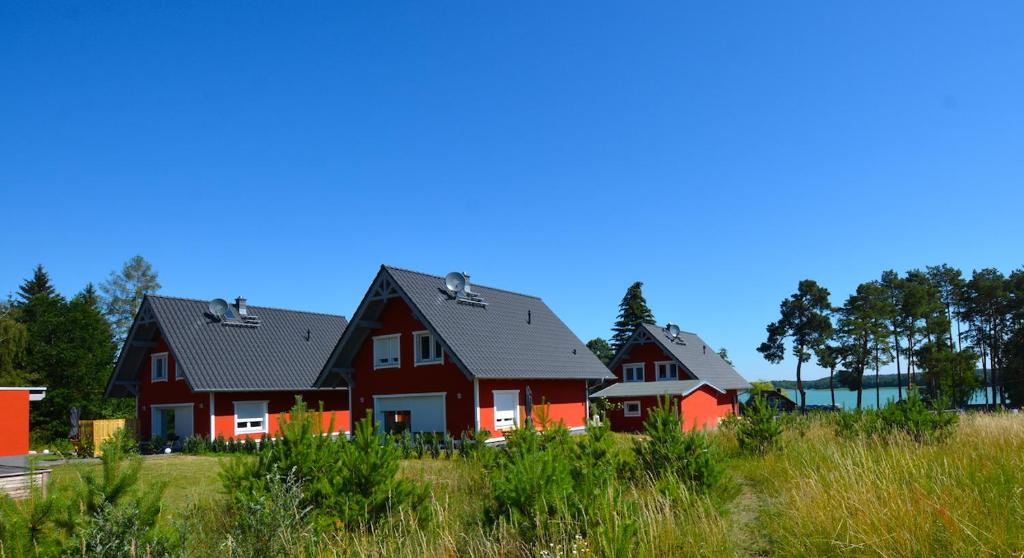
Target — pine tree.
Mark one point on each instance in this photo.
(804, 318)
(633, 312)
(38, 284)
(123, 292)
(90, 297)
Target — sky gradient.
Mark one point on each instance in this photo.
(718, 152)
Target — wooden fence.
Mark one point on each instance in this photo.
(94, 432)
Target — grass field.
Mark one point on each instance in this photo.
(820, 495)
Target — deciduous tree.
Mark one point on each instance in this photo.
(123, 292)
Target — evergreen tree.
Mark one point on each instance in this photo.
(13, 340)
(1014, 347)
(804, 318)
(894, 287)
(601, 349)
(828, 357)
(949, 282)
(69, 349)
(633, 312)
(123, 292)
(90, 297)
(862, 333)
(986, 308)
(38, 284)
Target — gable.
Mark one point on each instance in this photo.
(285, 352)
(511, 336)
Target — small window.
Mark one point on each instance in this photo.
(667, 371)
(250, 417)
(633, 372)
(428, 349)
(158, 367)
(386, 352)
(179, 371)
(631, 408)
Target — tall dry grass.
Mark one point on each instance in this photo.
(828, 496)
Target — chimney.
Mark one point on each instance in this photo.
(240, 305)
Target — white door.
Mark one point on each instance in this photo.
(506, 409)
(422, 412)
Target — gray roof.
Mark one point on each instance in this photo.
(274, 356)
(643, 389)
(696, 356)
(514, 336)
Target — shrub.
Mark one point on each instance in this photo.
(688, 456)
(350, 484)
(915, 419)
(531, 484)
(758, 431)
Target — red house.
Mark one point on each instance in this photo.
(658, 362)
(14, 419)
(217, 369)
(427, 354)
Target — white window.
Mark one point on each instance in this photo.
(427, 349)
(179, 371)
(250, 417)
(631, 408)
(506, 409)
(633, 372)
(667, 371)
(158, 367)
(386, 352)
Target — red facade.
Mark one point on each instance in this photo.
(701, 409)
(13, 422)
(208, 410)
(467, 404)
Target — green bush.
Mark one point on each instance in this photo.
(914, 418)
(353, 484)
(669, 451)
(758, 431)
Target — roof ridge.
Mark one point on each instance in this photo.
(190, 299)
(425, 274)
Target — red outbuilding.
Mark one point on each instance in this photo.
(433, 354)
(14, 402)
(658, 362)
(210, 368)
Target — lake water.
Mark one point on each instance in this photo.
(848, 399)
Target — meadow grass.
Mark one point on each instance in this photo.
(818, 495)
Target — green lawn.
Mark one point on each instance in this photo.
(188, 477)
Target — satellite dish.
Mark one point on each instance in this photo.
(455, 282)
(218, 307)
(672, 330)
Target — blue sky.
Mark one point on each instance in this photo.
(719, 152)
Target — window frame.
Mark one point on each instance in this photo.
(435, 344)
(179, 372)
(657, 372)
(643, 371)
(515, 412)
(153, 358)
(250, 430)
(627, 413)
(398, 344)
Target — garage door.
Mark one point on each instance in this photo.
(415, 412)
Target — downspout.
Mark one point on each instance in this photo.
(213, 423)
(476, 405)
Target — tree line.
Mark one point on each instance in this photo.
(70, 344)
(934, 324)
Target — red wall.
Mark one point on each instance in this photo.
(566, 400)
(647, 353)
(397, 317)
(701, 409)
(13, 422)
(174, 391)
